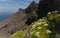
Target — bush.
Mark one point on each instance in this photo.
(19, 34)
(42, 28)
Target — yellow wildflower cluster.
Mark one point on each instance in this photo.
(39, 29)
(19, 34)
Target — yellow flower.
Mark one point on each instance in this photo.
(39, 23)
(56, 11)
(37, 34)
(49, 13)
(32, 32)
(39, 27)
(33, 26)
(40, 20)
(48, 31)
(45, 24)
(58, 14)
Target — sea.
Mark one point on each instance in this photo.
(5, 16)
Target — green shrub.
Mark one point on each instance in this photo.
(54, 16)
(42, 28)
(19, 34)
(39, 29)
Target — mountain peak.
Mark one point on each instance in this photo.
(33, 2)
(20, 9)
(19, 20)
(31, 7)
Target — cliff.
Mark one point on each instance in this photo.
(20, 20)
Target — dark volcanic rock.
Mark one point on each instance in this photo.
(46, 6)
(31, 12)
(32, 7)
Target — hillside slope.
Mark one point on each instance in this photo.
(18, 21)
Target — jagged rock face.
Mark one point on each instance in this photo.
(13, 24)
(33, 6)
(31, 12)
(46, 6)
(57, 4)
(20, 20)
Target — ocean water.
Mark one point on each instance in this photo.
(4, 16)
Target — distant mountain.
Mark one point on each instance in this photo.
(20, 20)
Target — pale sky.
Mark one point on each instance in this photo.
(11, 6)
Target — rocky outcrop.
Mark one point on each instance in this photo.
(31, 11)
(14, 23)
(20, 20)
(23, 18)
(46, 6)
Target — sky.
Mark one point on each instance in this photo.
(11, 6)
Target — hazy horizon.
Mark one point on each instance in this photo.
(14, 5)
(9, 7)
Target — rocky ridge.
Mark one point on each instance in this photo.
(20, 20)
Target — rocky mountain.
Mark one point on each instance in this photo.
(31, 12)
(46, 6)
(20, 20)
